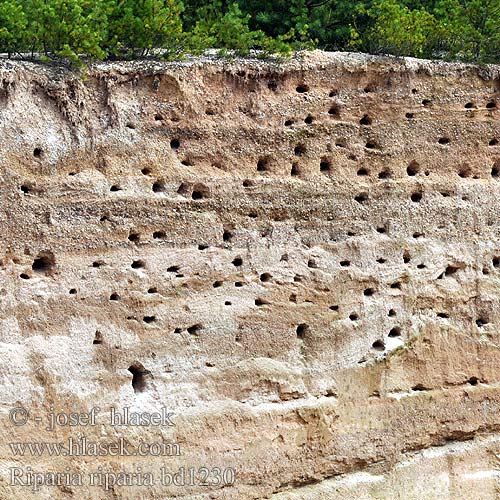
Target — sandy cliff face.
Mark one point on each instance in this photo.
(299, 260)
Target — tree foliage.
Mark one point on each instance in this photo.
(68, 30)
(137, 27)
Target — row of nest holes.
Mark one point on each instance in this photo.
(303, 88)
(333, 111)
(421, 387)
(325, 165)
(45, 264)
(140, 264)
(141, 376)
(200, 191)
(195, 192)
(175, 143)
(266, 277)
(303, 331)
(366, 120)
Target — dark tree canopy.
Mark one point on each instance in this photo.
(68, 30)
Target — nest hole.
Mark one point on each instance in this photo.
(159, 187)
(361, 198)
(195, 329)
(413, 169)
(395, 332)
(325, 165)
(299, 150)
(295, 170)
(302, 330)
(44, 263)
(365, 120)
(302, 88)
(98, 339)
(334, 111)
(140, 377)
(263, 164)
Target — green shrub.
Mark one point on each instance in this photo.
(13, 23)
(66, 30)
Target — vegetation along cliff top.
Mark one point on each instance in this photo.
(67, 30)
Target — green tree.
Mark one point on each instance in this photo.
(472, 27)
(139, 26)
(402, 31)
(13, 23)
(66, 28)
(231, 31)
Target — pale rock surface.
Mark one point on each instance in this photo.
(300, 259)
